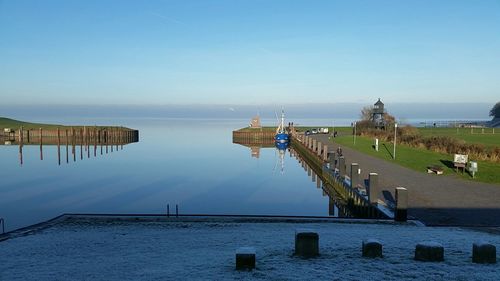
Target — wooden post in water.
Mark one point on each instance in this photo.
(73, 144)
(21, 153)
(81, 144)
(100, 139)
(21, 134)
(112, 138)
(58, 147)
(41, 150)
(84, 137)
(87, 141)
(67, 142)
(95, 142)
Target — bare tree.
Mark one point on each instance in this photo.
(366, 113)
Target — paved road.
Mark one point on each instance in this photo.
(433, 199)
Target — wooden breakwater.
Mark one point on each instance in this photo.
(254, 136)
(328, 166)
(76, 136)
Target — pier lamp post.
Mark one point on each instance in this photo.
(395, 132)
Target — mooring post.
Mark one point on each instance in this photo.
(401, 213)
(373, 188)
(95, 142)
(342, 166)
(41, 149)
(21, 153)
(67, 141)
(21, 134)
(81, 144)
(325, 152)
(84, 137)
(106, 139)
(332, 160)
(354, 175)
(319, 148)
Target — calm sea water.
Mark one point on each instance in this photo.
(192, 163)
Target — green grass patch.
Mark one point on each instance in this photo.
(490, 137)
(419, 159)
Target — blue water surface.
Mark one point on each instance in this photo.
(191, 163)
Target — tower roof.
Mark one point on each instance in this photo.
(379, 102)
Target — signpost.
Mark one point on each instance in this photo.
(395, 131)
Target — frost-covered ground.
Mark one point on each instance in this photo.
(186, 250)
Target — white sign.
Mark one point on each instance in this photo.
(460, 158)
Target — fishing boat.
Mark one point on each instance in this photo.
(281, 134)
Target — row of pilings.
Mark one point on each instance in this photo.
(362, 201)
(253, 136)
(73, 135)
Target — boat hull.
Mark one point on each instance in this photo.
(281, 138)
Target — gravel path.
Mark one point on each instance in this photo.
(433, 199)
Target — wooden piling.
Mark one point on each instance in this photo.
(41, 143)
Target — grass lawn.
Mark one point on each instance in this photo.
(16, 124)
(488, 138)
(419, 159)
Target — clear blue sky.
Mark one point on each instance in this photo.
(248, 52)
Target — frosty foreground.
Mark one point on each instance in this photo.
(180, 249)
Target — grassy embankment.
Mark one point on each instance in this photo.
(419, 158)
(16, 124)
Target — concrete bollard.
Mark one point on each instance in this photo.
(373, 188)
(306, 243)
(429, 251)
(483, 252)
(401, 212)
(314, 142)
(354, 175)
(325, 152)
(342, 167)
(372, 248)
(245, 258)
(319, 149)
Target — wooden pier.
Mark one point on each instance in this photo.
(73, 135)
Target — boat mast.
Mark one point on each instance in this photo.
(282, 120)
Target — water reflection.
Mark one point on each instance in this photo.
(337, 207)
